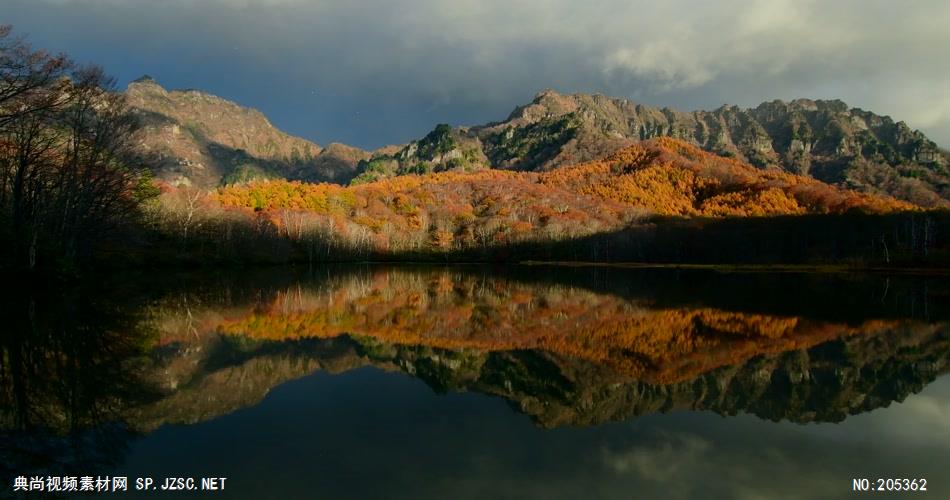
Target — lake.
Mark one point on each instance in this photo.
(531, 381)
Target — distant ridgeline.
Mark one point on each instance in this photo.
(207, 141)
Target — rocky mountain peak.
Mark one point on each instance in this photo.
(145, 79)
(546, 93)
(145, 84)
(197, 138)
(825, 139)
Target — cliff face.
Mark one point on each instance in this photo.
(194, 138)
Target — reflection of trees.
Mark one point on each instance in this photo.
(68, 372)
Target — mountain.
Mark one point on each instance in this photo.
(654, 201)
(194, 138)
(826, 140)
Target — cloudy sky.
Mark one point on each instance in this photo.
(374, 72)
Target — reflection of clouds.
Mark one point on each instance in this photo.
(660, 461)
(923, 418)
(470, 446)
(677, 464)
(730, 458)
(748, 458)
(931, 410)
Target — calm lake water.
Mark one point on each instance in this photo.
(482, 382)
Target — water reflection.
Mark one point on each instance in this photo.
(69, 373)
(85, 371)
(562, 353)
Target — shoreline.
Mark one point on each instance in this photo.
(752, 268)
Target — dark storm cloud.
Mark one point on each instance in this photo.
(375, 72)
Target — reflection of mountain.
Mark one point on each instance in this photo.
(561, 354)
(825, 383)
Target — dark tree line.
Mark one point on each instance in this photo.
(67, 184)
(903, 239)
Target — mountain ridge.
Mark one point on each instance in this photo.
(824, 139)
(196, 138)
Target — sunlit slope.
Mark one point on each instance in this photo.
(437, 210)
(672, 177)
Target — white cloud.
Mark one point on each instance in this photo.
(663, 64)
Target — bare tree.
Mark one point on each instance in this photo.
(66, 179)
(27, 78)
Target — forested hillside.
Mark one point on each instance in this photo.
(672, 177)
(662, 200)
